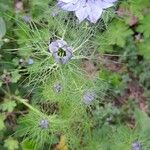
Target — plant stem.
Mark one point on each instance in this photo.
(50, 118)
(28, 105)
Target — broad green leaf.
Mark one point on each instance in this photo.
(11, 144)
(8, 105)
(144, 26)
(2, 28)
(15, 76)
(116, 34)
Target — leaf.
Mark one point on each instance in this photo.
(8, 105)
(2, 28)
(112, 78)
(2, 125)
(62, 144)
(144, 49)
(15, 76)
(144, 26)
(143, 123)
(27, 145)
(137, 7)
(116, 34)
(11, 144)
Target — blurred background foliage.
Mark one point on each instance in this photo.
(111, 58)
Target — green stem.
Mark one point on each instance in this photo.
(23, 101)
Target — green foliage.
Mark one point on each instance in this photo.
(114, 79)
(144, 26)
(143, 128)
(27, 145)
(29, 126)
(2, 28)
(110, 59)
(137, 7)
(2, 125)
(8, 105)
(115, 34)
(144, 49)
(143, 123)
(15, 76)
(11, 144)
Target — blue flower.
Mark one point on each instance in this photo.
(86, 9)
(43, 124)
(136, 146)
(57, 87)
(30, 61)
(60, 50)
(26, 18)
(88, 97)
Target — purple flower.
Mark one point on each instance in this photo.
(57, 87)
(88, 97)
(30, 61)
(43, 123)
(136, 146)
(26, 18)
(86, 9)
(61, 52)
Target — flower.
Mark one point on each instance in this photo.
(86, 9)
(136, 146)
(61, 52)
(88, 97)
(57, 87)
(30, 61)
(43, 123)
(26, 18)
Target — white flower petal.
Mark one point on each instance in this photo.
(83, 12)
(86, 9)
(72, 6)
(95, 13)
(104, 4)
(110, 1)
(67, 1)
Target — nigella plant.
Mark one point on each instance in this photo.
(61, 51)
(86, 9)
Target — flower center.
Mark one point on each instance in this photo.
(61, 52)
